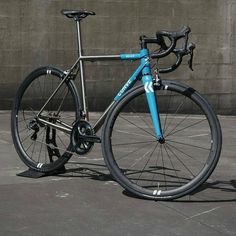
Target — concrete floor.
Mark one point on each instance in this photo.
(84, 201)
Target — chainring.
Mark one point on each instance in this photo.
(80, 128)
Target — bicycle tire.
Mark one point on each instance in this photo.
(40, 84)
(164, 175)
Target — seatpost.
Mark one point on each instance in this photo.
(81, 65)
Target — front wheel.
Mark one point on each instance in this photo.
(170, 169)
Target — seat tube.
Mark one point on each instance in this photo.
(150, 95)
(81, 65)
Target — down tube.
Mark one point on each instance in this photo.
(152, 103)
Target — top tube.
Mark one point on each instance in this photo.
(136, 56)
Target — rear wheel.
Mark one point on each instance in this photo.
(169, 169)
(40, 146)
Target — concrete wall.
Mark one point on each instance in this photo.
(34, 33)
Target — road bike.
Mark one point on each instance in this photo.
(160, 139)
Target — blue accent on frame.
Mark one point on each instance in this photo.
(144, 55)
(147, 80)
(151, 97)
(129, 83)
(130, 56)
(152, 103)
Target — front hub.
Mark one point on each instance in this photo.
(161, 140)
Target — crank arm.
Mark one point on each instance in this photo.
(90, 138)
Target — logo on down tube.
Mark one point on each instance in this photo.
(124, 88)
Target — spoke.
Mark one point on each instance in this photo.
(138, 127)
(41, 145)
(120, 144)
(168, 107)
(135, 150)
(50, 145)
(30, 135)
(172, 164)
(46, 152)
(157, 159)
(178, 108)
(151, 185)
(184, 153)
(142, 119)
(33, 150)
(20, 131)
(63, 99)
(29, 118)
(24, 111)
(31, 110)
(178, 124)
(61, 140)
(67, 135)
(163, 169)
(130, 133)
(187, 144)
(64, 150)
(181, 161)
(139, 159)
(32, 142)
(24, 119)
(196, 123)
(153, 171)
(25, 138)
(150, 156)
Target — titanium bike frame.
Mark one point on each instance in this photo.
(147, 80)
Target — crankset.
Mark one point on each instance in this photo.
(83, 137)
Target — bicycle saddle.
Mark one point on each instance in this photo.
(77, 14)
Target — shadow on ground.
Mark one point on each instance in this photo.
(97, 172)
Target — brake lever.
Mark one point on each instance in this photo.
(190, 61)
(190, 49)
